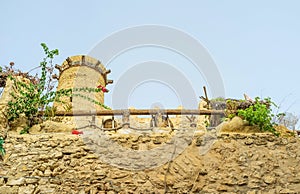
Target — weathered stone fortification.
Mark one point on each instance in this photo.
(80, 72)
(163, 159)
(233, 163)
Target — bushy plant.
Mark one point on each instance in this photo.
(31, 97)
(35, 96)
(260, 114)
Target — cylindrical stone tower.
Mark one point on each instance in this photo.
(81, 72)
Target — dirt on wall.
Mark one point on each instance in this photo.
(211, 163)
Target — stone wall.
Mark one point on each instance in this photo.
(225, 163)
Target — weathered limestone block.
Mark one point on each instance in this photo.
(18, 182)
(9, 190)
(51, 127)
(238, 125)
(29, 189)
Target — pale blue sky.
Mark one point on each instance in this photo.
(255, 44)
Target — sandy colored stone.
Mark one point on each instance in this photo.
(33, 180)
(29, 189)
(13, 182)
(19, 124)
(35, 129)
(48, 172)
(287, 191)
(238, 125)
(9, 190)
(229, 165)
(269, 179)
(52, 126)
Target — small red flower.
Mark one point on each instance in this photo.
(103, 89)
(76, 132)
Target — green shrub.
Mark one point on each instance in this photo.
(260, 114)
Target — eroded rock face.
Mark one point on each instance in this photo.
(238, 125)
(51, 127)
(234, 163)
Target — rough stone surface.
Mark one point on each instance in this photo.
(51, 127)
(238, 125)
(232, 163)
